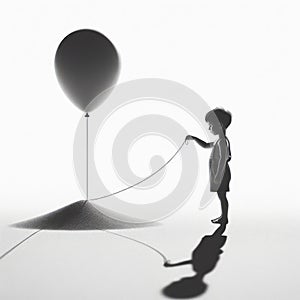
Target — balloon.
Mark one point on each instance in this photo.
(86, 64)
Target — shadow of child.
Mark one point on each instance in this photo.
(204, 259)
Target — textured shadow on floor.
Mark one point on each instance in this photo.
(78, 216)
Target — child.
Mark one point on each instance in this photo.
(218, 120)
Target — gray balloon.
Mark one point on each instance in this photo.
(86, 65)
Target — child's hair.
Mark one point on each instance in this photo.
(223, 117)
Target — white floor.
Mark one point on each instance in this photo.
(260, 261)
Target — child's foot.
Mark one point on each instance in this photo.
(220, 220)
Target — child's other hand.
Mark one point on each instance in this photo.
(217, 179)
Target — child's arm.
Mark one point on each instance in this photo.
(200, 142)
(222, 161)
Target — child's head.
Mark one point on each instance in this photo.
(218, 120)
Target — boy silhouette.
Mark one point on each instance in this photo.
(218, 120)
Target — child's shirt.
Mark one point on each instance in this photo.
(220, 148)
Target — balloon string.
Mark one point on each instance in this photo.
(139, 242)
(146, 178)
(20, 243)
(106, 231)
(87, 156)
(116, 234)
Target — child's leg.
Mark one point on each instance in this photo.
(224, 205)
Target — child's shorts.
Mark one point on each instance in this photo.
(223, 186)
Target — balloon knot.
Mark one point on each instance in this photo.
(87, 115)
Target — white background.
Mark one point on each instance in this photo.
(241, 55)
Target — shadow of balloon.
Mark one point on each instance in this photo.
(78, 216)
(204, 260)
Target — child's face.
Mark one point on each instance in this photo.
(213, 128)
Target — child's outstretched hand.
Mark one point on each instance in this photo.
(188, 138)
